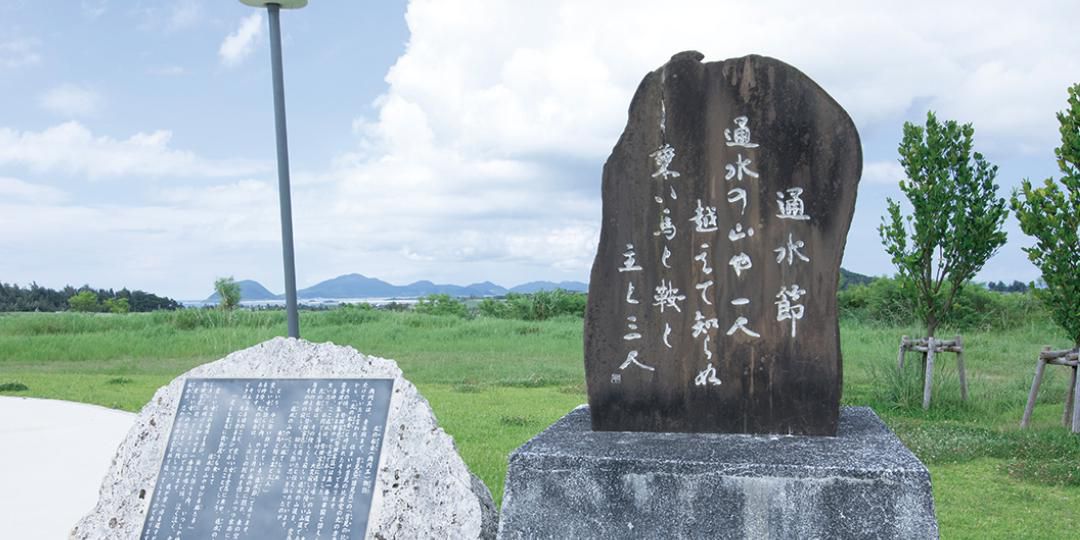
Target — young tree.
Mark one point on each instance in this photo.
(118, 305)
(442, 304)
(1051, 215)
(957, 217)
(85, 301)
(228, 292)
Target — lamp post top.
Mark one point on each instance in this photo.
(285, 4)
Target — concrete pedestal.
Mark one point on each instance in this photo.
(572, 482)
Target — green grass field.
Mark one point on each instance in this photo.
(495, 383)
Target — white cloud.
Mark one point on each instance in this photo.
(71, 100)
(13, 189)
(456, 164)
(71, 148)
(18, 52)
(883, 172)
(557, 76)
(240, 44)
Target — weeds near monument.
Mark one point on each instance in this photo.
(954, 228)
(1051, 215)
(538, 306)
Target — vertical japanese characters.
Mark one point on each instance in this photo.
(713, 249)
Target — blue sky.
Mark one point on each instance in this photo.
(451, 140)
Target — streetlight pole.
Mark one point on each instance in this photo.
(284, 195)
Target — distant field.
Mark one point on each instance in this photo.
(495, 383)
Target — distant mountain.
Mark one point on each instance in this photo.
(249, 291)
(537, 286)
(350, 286)
(360, 286)
(487, 288)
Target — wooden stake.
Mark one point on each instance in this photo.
(929, 375)
(1039, 367)
(901, 354)
(960, 368)
(1070, 397)
(1076, 407)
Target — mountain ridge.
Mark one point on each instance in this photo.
(356, 285)
(360, 286)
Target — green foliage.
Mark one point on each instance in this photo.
(117, 305)
(228, 291)
(957, 217)
(887, 302)
(442, 304)
(84, 301)
(883, 301)
(38, 298)
(14, 386)
(539, 306)
(1051, 215)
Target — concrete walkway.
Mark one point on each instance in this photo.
(53, 456)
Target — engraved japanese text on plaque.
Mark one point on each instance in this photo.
(271, 458)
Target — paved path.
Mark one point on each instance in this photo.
(53, 456)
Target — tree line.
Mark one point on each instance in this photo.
(38, 298)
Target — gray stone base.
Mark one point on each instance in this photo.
(572, 482)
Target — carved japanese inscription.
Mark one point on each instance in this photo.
(726, 207)
(271, 458)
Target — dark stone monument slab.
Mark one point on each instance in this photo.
(572, 482)
(726, 206)
(271, 458)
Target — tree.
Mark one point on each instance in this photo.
(118, 305)
(1051, 215)
(84, 301)
(228, 292)
(957, 217)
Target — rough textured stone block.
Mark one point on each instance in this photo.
(572, 482)
(423, 488)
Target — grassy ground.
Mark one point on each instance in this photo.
(496, 383)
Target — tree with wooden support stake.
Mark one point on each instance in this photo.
(1051, 215)
(954, 228)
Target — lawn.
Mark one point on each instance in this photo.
(495, 383)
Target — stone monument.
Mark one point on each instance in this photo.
(712, 345)
(288, 435)
(712, 302)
